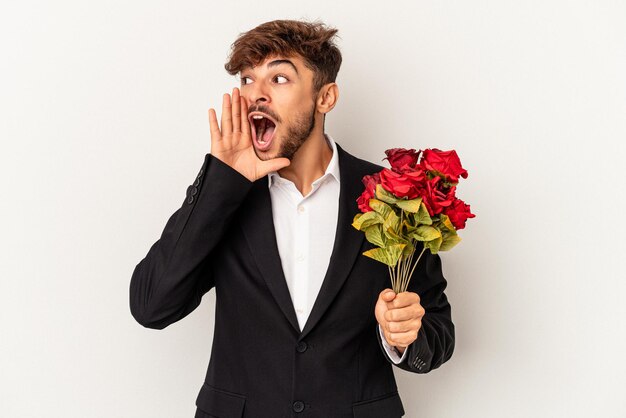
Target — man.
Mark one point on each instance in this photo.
(305, 324)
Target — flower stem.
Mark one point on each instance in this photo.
(393, 279)
(405, 264)
(398, 277)
(406, 277)
(400, 272)
(414, 265)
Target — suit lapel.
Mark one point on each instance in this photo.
(258, 227)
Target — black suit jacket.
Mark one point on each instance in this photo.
(262, 365)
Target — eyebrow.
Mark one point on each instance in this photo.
(279, 62)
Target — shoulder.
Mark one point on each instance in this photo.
(361, 165)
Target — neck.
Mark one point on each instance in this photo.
(308, 163)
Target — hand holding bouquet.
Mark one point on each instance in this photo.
(409, 203)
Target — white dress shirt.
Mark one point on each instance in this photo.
(305, 233)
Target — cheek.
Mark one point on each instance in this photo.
(290, 115)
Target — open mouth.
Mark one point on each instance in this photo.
(263, 131)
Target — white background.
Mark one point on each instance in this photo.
(103, 123)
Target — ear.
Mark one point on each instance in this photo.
(327, 97)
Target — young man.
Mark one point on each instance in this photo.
(305, 324)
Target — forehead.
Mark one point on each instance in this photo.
(294, 63)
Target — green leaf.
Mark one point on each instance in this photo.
(388, 255)
(384, 195)
(449, 241)
(374, 234)
(426, 233)
(434, 245)
(412, 205)
(422, 216)
(364, 220)
(394, 238)
(445, 220)
(392, 221)
(409, 224)
(381, 207)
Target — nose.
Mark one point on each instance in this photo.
(256, 94)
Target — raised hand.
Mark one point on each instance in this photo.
(233, 143)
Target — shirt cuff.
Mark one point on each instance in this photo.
(391, 351)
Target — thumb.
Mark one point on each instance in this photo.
(388, 295)
(274, 164)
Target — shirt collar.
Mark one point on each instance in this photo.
(331, 170)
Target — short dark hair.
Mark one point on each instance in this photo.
(313, 41)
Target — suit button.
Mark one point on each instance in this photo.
(298, 406)
(190, 199)
(194, 191)
(200, 172)
(197, 182)
(301, 347)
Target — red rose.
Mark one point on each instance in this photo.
(402, 159)
(445, 162)
(370, 182)
(407, 184)
(437, 196)
(458, 213)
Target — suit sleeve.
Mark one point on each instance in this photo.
(435, 340)
(170, 281)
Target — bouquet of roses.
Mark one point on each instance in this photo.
(409, 203)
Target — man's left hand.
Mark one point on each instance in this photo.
(400, 317)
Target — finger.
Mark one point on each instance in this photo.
(403, 299)
(403, 338)
(236, 111)
(215, 130)
(227, 124)
(404, 326)
(403, 314)
(387, 336)
(245, 123)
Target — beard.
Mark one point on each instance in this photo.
(297, 133)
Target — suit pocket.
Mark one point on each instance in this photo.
(389, 406)
(220, 403)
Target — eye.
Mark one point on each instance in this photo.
(243, 79)
(282, 77)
